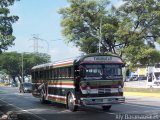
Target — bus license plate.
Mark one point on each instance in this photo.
(111, 99)
(94, 101)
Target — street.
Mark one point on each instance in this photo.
(136, 107)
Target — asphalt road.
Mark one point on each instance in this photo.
(29, 108)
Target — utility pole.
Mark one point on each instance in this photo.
(22, 68)
(100, 36)
(35, 43)
(36, 40)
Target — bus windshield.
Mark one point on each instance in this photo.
(107, 71)
(113, 71)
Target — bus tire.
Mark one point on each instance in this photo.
(42, 98)
(106, 107)
(71, 103)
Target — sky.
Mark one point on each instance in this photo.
(40, 18)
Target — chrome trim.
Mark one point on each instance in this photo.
(102, 100)
(103, 97)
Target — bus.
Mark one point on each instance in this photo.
(94, 79)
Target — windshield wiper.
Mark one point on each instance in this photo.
(109, 76)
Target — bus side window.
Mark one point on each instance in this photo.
(70, 72)
(36, 75)
(44, 75)
(59, 73)
(49, 74)
(33, 75)
(55, 73)
(52, 72)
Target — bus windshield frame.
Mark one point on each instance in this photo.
(101, 71)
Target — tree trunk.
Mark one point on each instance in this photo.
(14, 79)
(20, 80)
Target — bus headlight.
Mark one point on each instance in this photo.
(83, 85)
(88, 90)
(120, 89)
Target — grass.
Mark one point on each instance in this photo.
(4, 84)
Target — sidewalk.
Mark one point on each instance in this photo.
(9, 112)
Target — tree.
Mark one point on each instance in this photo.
(32, 59)
(81, 23)
(12, 63)
(139, 30)
(129, 31)
(6, 21)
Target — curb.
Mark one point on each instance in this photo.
(141, 94)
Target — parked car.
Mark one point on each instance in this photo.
(14, 84)
(141, 78)
(134, 78)
(127, 79)
(25, 87)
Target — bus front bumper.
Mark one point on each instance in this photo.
(102, 100)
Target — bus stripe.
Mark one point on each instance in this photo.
(56, 97)
(62, 86)
(63, 64)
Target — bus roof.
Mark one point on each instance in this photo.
(95, 58)
(55, 64)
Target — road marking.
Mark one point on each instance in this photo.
(143, 106)
(23, 110)
(64, 111)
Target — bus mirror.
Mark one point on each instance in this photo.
(82, 73)
(77, 72)
(123, 65)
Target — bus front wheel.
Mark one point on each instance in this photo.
(106, 107)
(71, 103)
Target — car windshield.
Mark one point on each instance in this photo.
(157, 75)
(142, 78)
(110, 71)
(27, 84)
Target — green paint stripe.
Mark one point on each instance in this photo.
(56, 81)
(58, 101)
(102, 82)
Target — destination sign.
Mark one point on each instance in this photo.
(103, 58)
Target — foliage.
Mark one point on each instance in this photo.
(129, 31)
(81, 23)
(139, 30)
(3, 75)
(6, 21)
(32, 59)
(12, 63)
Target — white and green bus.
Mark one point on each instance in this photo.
(94, 79)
